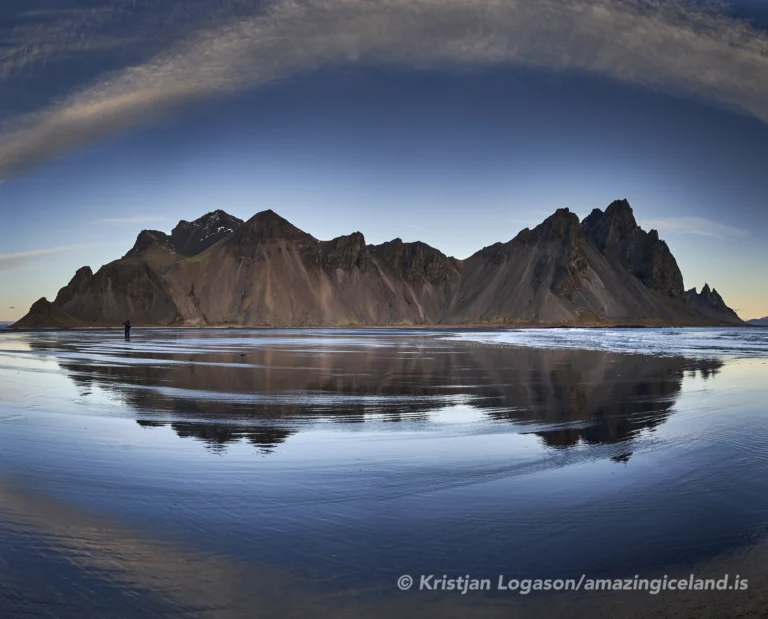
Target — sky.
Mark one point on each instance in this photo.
(453, 122)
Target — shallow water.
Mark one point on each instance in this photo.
(247, 473)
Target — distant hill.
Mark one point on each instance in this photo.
(759, 322)
(219, 270)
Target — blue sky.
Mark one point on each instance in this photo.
(451, 131)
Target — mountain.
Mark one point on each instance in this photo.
(759, 322)
(268, 272)
(556, 274)
(219, 270)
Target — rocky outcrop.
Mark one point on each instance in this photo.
(147, 241)
(44, 314)
(127, 289)
(219, 270)
(345, 252)
(76, 286)
(712, 305)
(417, 263)
(616, 234)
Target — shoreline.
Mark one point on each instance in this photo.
(417, 327)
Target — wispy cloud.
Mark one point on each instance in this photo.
(127, 221)
(698, 226)
(671, 45)
(10, 263)
(34, 38)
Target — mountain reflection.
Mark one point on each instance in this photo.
(223, 393)
(218, 435)
(637, 395)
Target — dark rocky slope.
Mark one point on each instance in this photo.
(219, 270)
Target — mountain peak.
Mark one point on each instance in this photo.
(188, 238)
(76, 285)
(212, 219)
(616, 234)
(609, 227)
(191, 238)
(622, 216)
(619, 207)
(561, 224)
(211, 216)
(147, 239)
(267, 215)
(269, 225)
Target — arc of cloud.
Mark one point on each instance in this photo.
(671, 45)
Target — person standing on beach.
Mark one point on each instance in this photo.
(127, 325)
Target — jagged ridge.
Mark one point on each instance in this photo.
(266, 271)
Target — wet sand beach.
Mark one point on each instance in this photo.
(286, 473)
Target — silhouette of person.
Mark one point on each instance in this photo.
(127, 325)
